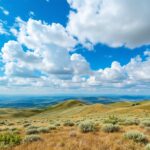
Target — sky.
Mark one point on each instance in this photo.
(75, 47)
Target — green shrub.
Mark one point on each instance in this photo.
(32, 131)
(136, 136)
(110, 128)
(135, 104)
(52, 127)
(68, 123)
(147, 147)
(111, 120)
(43, 130)
(2, 123)
(145, 123)
(9, 139)
(87, 127)
(27, 125)
(131, 122)
(32, 138)
(33, 127)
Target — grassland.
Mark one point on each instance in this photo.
(76, 125)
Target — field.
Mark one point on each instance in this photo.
(76, 125)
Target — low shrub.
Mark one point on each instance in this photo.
(112, 120)
(87, 127)
(52, 127)
(32, 131)
(43, 130)
(110, 128)
(32, 138)
(68, 123)
(33, 127)
(131, 122)
(145, 123)
(147, 147)
(26, 124)
(136, 136)
(9, 139)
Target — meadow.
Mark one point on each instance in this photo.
(76, 125)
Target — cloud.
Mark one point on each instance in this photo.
(134, 74)
(40, 57)
(112, 22)
(4, 11)
(35, 33)
(31, 14)
(2, 29)
(41, 54)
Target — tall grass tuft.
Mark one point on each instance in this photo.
(87, 127)
(9, 139)
(110, 128)
(136, 136)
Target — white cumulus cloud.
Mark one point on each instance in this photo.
(112, 22)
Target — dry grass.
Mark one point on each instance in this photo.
(71, 138)
(61, 140)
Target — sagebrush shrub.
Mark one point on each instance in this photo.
(32, 138)
(52, 127)
(145, 123)
(135, 136)
(32, 131)
(43, 130)
(110, 128)
(131, 122)
(87, 127)
(68, 123)
(112, 120)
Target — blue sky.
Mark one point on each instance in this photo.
(82, 46)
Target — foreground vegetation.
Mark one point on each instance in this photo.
(75, 125)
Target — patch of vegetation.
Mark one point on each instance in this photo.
(27, 125)
(145, 123)
(110, 128)
(87, 127)
(9, 139)
(147, 147)
(52, 127)
(136, 136)
(112, 120)
(131, 122)
(32, 131)
(68, 123)
(43, 130)
(32, 138)
(135, 104)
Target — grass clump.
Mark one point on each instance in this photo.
(27, 125)
(32, 131)
(68, 123)
(32, 138)
(131, 122)
(110, 128)
(145, 123)
(136, 136)
(111, 120)
(87, 127)
(147, 147)
(43, 130)
(52, 127)
(9, 139)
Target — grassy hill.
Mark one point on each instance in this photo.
(73, 123)
(75, 108)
